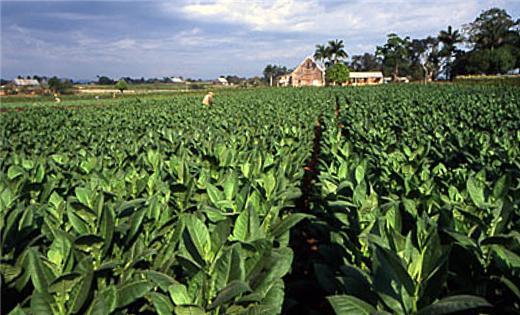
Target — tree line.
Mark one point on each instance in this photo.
(488, 45)
(492, 43)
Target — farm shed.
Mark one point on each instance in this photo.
(308, 73)
(365, 78)
(176, 80)
(284, 80)
(26, 82)
(221, 81)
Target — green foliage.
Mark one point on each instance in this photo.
(58, 85)
(121, 85)
(420, 191)
(159, 207)
(337, 73)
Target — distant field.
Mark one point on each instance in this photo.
(106, 98)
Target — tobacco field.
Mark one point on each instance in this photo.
(399, 199)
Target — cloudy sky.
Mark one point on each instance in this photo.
(205, 39)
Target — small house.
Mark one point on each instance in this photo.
(221, 81)
(366, 78)
(176, 80)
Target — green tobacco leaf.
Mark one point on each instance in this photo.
(35, 267)
(179, 294)
(105, 301)
(64, 283)
(360, 173)
(188, 310)
(247, 226)
(130, 292)
(88, 242)
(161, 303)
(17, 311)
(81, 292)
(199, 235)
(347, 304)
(162, 280)
(232, 290)
(476, 191)
(14, 171)
(106, 229)
(390, 278)
(453, 304)
(84, 196)
(510, 258)
(501, 187)
(40, 304)
(215, 195)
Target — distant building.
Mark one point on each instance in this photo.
(307, 73)
(284, 80)
(310, 73)
(26, 82)
(366, 78)
(176, 80)
(221, 81)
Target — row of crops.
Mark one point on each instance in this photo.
(418, 202)
(406, 201)
(155, 207)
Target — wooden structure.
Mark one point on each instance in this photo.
(308, 73)
(365, 78)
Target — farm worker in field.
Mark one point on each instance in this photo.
(56, 98)
(208, 99)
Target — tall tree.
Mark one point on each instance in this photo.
(424, 54)
(492, 29)
(366, 62)
(394, 53)
(494, 39)
(321, 54)
(336, 50)
(273, 71)
(449, 39)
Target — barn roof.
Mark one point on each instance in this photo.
(312, 59)
(26, 82)
(363, 75)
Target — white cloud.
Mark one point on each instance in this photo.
(353, 18)
(281, 15)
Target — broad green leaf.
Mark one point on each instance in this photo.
(84, 196)
(81, 292)
(35, 268)
(40, 304)
(179, 294)
(476, 191)
(161, 303)
(199, 234)
(232, 290)
(188, 310)
(130, 292)
(347, 304)
(453, 304)
(17, 311)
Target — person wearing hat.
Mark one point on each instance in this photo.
(208, 99)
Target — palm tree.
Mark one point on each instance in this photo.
(449, 39)
(322, 53)
(336, 50)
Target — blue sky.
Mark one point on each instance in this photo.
(205, 39)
